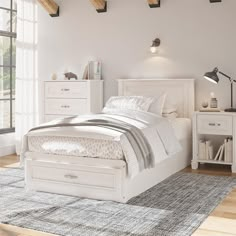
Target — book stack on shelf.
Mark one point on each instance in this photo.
(224, 153)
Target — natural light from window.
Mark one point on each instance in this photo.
(8, 12)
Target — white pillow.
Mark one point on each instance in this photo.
(172, 115)
(157, 106)
(139, 103)
(169, 109)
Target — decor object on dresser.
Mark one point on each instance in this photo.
(93, 71)
(68, 98)
(213, 77)
(54, 76)
(70, 75)
(214, 139)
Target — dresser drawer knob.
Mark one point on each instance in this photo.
(71, 176)
(65, 106)
(65, 89)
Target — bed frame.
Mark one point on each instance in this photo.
(107, 179)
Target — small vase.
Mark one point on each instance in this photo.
(205, 104)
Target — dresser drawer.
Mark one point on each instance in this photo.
(80, 177)
(66, 106)
(217, 124)
(66, 90)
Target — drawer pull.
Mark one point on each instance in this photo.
(71, 176)
(65, 106)
(212, 124)
(66, 90)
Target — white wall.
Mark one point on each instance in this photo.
(195, 35)
(7, 144)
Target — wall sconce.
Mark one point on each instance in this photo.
(155, 44)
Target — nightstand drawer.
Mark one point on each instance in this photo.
(217, 124)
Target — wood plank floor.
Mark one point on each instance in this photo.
(221, 222)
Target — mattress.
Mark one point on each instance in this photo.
(76, 146)
(95, 148)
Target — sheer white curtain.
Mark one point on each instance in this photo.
(26, 106)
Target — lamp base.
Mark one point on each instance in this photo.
(230, 109)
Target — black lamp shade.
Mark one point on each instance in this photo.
(212, 76)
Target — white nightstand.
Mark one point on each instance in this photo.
(216, 127)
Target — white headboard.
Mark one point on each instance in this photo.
(179, 91)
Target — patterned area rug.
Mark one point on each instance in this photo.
(175, 207)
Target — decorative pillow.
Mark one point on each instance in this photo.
(169, 109)
(157, 106)
(139, 103)
(172, 115)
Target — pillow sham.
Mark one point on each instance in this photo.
(168, 110)
(157, 106)
(139, 103)
(172, 115)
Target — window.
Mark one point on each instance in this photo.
(7, 64)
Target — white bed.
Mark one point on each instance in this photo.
(108, 179)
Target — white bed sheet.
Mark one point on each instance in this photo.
(182, 128)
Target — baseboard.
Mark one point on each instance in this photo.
(7, 150)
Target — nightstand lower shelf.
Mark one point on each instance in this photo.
(215, 162)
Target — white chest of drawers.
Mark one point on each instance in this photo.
(69, 98)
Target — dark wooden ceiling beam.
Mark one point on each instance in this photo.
(154, 3)
(213, 1)
(100, 5)
(50, 6)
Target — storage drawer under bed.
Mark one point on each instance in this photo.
(75, 180)
(80, 177)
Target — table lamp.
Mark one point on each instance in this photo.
(213, 77)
